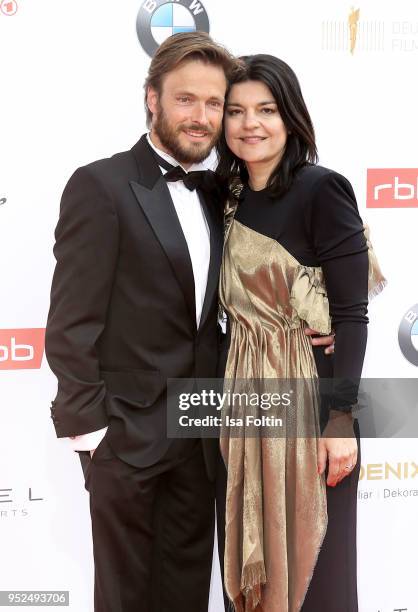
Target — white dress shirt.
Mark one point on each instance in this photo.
(196, 232)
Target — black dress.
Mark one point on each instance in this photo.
(317, 225)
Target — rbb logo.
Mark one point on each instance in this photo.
(21, 349)
(392, 188)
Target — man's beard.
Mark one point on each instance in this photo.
(169, 138)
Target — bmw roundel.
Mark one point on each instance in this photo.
(159, 19)
(408, 335)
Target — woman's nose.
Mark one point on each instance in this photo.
(250, 120)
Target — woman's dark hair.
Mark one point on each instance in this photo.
(300, 149)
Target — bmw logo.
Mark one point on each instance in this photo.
(159, 19)
(408, 335)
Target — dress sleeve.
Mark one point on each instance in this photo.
(341, 249)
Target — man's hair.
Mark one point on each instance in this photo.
(184, 47)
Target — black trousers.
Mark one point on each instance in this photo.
(152, 532)
(333, 587)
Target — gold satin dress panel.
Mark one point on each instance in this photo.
(276, 508)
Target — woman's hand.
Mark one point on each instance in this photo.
(339, 445)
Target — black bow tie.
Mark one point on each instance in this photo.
(197, 179)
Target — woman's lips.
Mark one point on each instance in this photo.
(253, 139)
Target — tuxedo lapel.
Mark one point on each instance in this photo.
(153, 196)
(216, 244)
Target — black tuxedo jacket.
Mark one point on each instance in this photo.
(122, 318)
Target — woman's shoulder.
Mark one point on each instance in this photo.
(313, 176)
(318, 184)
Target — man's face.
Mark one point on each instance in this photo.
(187, 115)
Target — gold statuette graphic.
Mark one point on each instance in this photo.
(353, 20)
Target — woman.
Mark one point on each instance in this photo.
(295, 256)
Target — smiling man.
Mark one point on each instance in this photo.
(134, 302)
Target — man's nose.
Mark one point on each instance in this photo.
(199, 113)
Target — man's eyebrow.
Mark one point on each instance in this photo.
(263, 103)
(183, 92)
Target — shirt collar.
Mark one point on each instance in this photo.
(204, 165)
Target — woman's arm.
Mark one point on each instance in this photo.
(340, 246)
(341, 249)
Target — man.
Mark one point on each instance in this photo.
(133, 303)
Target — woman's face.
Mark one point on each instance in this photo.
(254, 129)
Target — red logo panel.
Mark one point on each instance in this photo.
(392, 188)
(21, 349)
